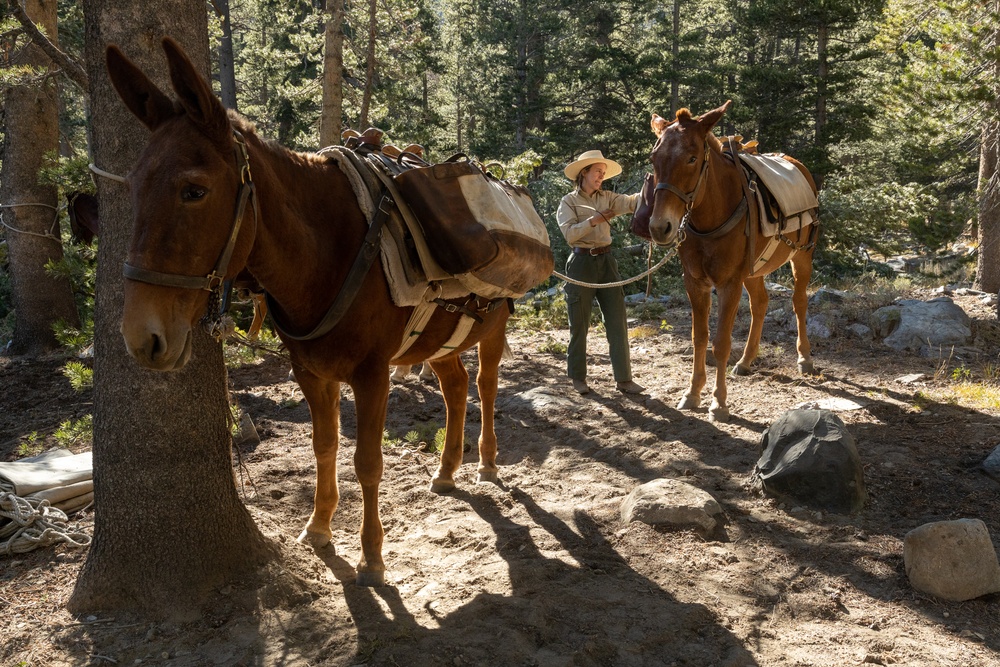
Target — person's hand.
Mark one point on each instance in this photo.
(601, 217)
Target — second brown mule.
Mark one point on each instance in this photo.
(700, 187)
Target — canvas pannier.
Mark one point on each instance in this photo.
(479, 228)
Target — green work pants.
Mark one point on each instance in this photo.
(579, 302)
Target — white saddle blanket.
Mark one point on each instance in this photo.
(785, 182)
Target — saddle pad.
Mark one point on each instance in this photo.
(787, 184)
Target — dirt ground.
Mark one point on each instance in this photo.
(540, 570)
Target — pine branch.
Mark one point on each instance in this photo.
(72, 69)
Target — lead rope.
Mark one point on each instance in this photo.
(650, 271)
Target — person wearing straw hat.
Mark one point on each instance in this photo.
(584, 218)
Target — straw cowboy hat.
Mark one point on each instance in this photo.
(574, 168)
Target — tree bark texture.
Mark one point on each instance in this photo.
(988, 262)
(227, 67)
(169, 525)
(366, 98)
(30, 216)
(332, 119)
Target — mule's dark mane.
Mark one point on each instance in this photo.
(248, 129)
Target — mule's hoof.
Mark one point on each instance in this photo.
(718, 413)
(688, 402)
(739, 369)
(314, 540)
(807, 368)
(371, 578)
(488, 476)
(441, 485)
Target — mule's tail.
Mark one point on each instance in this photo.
(507, 352)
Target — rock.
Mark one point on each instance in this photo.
(860, 330)
(246, 435)
(670, 501)
(828, 295)
(818, 326)
(911, 325)
(992, 464)
(809, 458)
(911, 378)
(834, 404)
(779, 290)
(952, 560)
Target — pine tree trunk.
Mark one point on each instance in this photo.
(366, 98)
(988, 264)
(331, 120)
(227, 60)
(169, 525)
(31, 224)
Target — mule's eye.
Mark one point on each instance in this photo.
(694, 158)
(193, 193)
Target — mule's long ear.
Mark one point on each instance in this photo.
(139, 94)
(196, 96)
(658, 124)
(708, 120)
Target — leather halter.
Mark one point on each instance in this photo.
(688, 197)
(215, 282)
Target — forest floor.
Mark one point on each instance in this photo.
(540, 570)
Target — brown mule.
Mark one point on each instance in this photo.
(700, 187)
(296, 226)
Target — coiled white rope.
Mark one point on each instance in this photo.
(34, 523)
(47, 235)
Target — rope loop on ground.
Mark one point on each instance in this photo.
(30, 523)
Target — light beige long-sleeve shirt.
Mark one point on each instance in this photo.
(575, 211)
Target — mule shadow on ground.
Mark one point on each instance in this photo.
(588, 607)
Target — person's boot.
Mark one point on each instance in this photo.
(631, 387)
(581, 386)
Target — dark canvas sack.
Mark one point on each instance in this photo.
(643, 212)
(481, 229)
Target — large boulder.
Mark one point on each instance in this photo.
(952, 560)
(914, 325)
(673, 502)
(809, 458)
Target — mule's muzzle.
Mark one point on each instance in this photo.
(662, 233)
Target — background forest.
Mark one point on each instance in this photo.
(892, 104)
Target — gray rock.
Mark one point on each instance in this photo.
(992, 464)
(246, 435)
(673, 502)
(818, 326)
(860, 330)
(911, 325)
(952, 560)
(828, 295)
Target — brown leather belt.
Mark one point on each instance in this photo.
(592, 251)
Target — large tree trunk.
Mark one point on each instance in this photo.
(366, 98)
(31, 223)
(169, 525)
(331, 121)
(227, 60)
(822, 76)
(988, 264)
(675, 50)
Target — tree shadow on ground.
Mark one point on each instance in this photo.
(574, 600)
